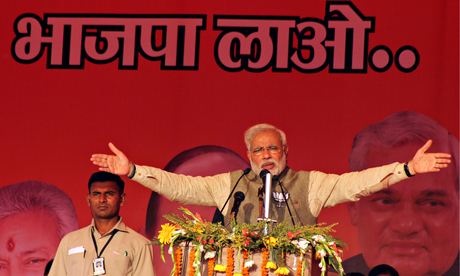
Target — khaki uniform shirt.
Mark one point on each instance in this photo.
(128, 253)
(314, 190)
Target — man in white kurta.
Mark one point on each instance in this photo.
(304, 193)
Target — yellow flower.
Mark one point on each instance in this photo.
(271, 265)
(271, 241)
(282, 271)
(220, 268)
(237, 274)
(165, 234)
(197, 227)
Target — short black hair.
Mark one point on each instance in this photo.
(383, 269)
(48, 267)
(104, 177)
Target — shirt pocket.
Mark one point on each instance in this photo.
(76, 264)
(119, 262)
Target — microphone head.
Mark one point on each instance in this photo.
(263, 173)
(239, 196)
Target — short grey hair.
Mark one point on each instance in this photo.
(399, 129)
(252, 131)
(34, 195)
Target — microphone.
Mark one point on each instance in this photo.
(218, 216)
(267, 179)
(263, 174)
(277, 178)
(239, 197)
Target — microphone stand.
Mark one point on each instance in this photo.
(265, 174)
(218, 216)
(239, 197)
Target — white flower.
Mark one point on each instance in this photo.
(179, 232)
(209, 255)
(318, 238)
(176, 233)
(321, 252)
(303, 244)
(201, 248)
(248, 263)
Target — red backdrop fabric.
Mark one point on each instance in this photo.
(53, 119)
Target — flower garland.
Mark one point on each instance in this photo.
(177, 261)
(245, 267)
(191, 268)
(230, 262)
(282, 269)
(211, 263)
(299, 267)
(265, 255)
(210, 239)
(219, 267)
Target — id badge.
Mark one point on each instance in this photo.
(98, 266)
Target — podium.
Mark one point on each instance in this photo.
(203, 248)
(296, 265)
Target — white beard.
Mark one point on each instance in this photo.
(276, 170)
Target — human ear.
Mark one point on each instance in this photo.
(122, 199)
(248, 154)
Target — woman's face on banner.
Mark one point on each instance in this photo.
(413, 225)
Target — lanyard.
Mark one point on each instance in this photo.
(105, 245)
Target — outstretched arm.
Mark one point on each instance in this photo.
(117, 163)
(424, 162)
(332, 189)
(208, 191)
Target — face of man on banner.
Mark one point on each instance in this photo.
(33, 218)
(412, 226)
(199, 161)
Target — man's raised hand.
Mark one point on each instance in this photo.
(117, 163)
(424, 162)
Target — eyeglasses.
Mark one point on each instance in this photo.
(270, 149)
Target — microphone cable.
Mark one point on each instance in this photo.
(285, 199)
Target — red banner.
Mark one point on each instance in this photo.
(159, 78)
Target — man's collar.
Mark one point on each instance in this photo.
(120, 226)
(281, 175)
(252, 176)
